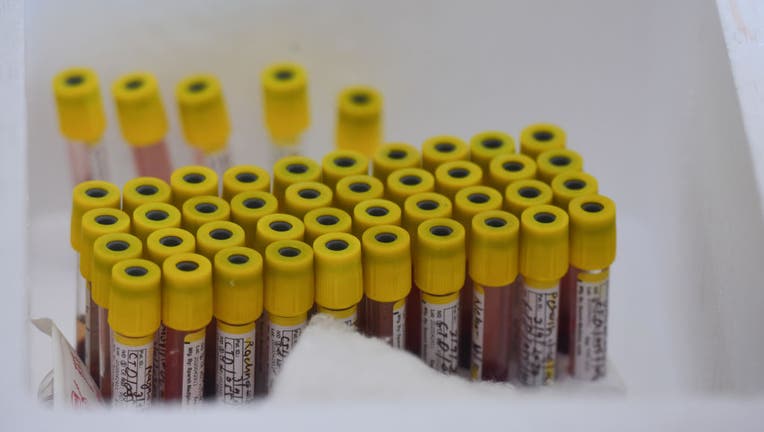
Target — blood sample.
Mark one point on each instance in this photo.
(523, 194)
(375, 212)
(352, 190)
(485, 146)
(199, 210)
(572, 184)
(135, 313)
(441, 149)
(543, 262)
(394, 156)
(359, 119)
(451, 177)
(191, 181)
(386, 282)
(285, 106)
(540, 137)
(238, 303)
(186, 312)
(342, 163)
(439, 258)
(553, 162)
(301, 198)
(592, 251)
(492, 257)
(166, 242)
(142, 190)
(277, 226)
(248, 207)
(245, 178)
(324, 221)
(293, 169)
(289, 292)
(143, 123)
(338, 276)
(150, 217)
(405, 182)
(508, 168)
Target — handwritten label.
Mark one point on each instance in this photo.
(235, 367)
(193, 368)
(539, 309)
(160, 344)
(399, 325)
(590, 332)
(440, 335)
(478, 323)
(282, 340)
(132, 375)
(351, 320)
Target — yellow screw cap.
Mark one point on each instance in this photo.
(540, 137)
(191, 181)
(165, 242)
(142, 190)
(213, 237)
(293, 169)
(342, 163)
(275, 227)
(489, 144)
(471, 201)
(543, 245)
(339, 273)
(494, 249)
(386, 263)
(288, 278)
(557, 161)
(242, 178)
(301, 198)
(526, 193)
(572, 184)
(424, 206)
(440, 256)
(89, 195)
(139, 108)
(508, 168)
(592, 232)
(203, 114)
(451, 177)
(199, 210)
(394, 156)
(248, 207)
(285, 98)
(405, 182)
(375, 212)
(150, 217)
(359, 119)
(108, 250)
(352, 190)
(80, 108)
(135, 305)
(441, 149)
(96, 223)
(187, 292)
(238, 285)
(324, 221)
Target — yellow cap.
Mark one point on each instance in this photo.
(213, 237)
(508, 168)
(150, 217)
(394, 156)
(352, 190)
(375, 212)
(108, 250)
(343, 163)
(285, 99)
(359, 119)
(557, 161)
(165, 242)
(199, 210)
(191, 181)
(324, 221)
(80, 109)
(526, 193)
(441, 149)
(405, 182)
(288, 278)
(203, 114)
(238, 285)
(424, 206)
(135, 305)
(301, 198)
(275, 227)
(139, 108)
(540, 137)
(142, 190)
(543, 245)
(592, 232)
(494, 249)
(386, 263)
(242, 178)
(451, 177)
(572, 184)
(439, 261)
(96, 223)
(89, 195)
(471, 201)
(248, 207)
(187, 292)
(339, 273)
(293, 169)
(489, 144)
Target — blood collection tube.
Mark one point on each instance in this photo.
(163, 243)
(324, 221)
(439, 258)
(394, 156)
(301, 198)
(540, 137)
(572, 184)
(248, 207)
(135, 307)
(204, 118)
(275, 227)
(199, 210)
(289, 293)
(592, 251)
(492, 255)
(193, 180)
(293, 169)
(508, 168)
(441, 149)
(338, 276)
(543, 262)
(451, 177)
(354, 189)
(285, 105)
(557, 161)
(359, 119)
(405, 182)
(386, 282)
(143, 123)
(342, 163)
(238, 303)
(150, 217)
(82, 122)
(375, 212)
(485, 146)
(523, 194)
(186, 312)
(245, 178)
(108, 250)
(142, 190)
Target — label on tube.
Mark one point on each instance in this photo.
(282, 340)
(538, 344)
(193, 368)
(399, 325)
(160, 343)
(236, 367)
(478, 323)
(132, 372)
(440, 335)
(590, 332)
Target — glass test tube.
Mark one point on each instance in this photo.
(150, 217)
(523, 194)
(143, 190)
(301, 198)
(324, 221)
(354, 189)
(540, 137)
(405, 182)
(373, 212)
(248, 207)
(394, 156)
(485, 146)
(293, 169)
(441, 149)
(199, 210)
(285, 106)
(359, 119)
(553, 162)
(508, 168)
(191, 181)
(342, 163)
(338, 276)
(451, 177)
(244, 178)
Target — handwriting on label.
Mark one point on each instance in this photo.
(235, 368)
(538, 335)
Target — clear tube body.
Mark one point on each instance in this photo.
(261, 355)
(87, 161)
(153, 161)
(491, 331)
(588, 297)
(104, 353)
(132, 370)
(235, 363)
(386, 321)
(413, 319)
(210, 359)
(81, 320)
(465, 321)
(218, 161)
(285, 147)
(91, 334)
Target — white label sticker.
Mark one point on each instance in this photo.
(399, 326)
(160, 341)
(478, 308)
(132, 374)
(351, 320)
(193, 371)
(282, 340)
(539, 311)
(440, 335)
(235, 380)
(590, 332)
